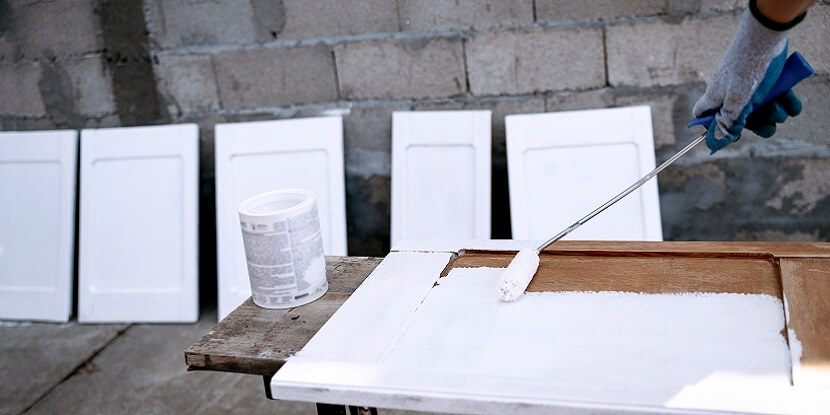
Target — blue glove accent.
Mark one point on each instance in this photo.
(773, 72)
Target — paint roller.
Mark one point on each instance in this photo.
(516, 277)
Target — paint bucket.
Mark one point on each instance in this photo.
(283, 248)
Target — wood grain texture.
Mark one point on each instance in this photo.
(806, 284)
(667, 273)
(776, 249)
(256, 340)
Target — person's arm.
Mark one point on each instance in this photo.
(783, 11)
(748, 70)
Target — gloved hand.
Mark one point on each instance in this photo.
(750, 67)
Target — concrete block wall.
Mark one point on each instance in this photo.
(92, 63)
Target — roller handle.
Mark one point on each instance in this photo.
(795, 70)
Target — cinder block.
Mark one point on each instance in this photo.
(92, 85)
(541, 60)
(21, 93)
(722, 5)
(739, 198)
(813, 124)
(176, 23)
(188, 83)
(425, 15)
(560, 10)
(419, 68)
(305, 18)
(811, 38)
(270, 77)
(41, 29)
(370, 127)
(661, 53)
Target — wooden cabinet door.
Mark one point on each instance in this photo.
(37, 224)
(256, 157)
(440, 175)
(138, 224)
(563, 165)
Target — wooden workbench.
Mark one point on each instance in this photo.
(258, 341)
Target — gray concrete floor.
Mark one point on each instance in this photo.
(120, 369)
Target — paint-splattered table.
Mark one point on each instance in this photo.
(257, 341)
(346, 360)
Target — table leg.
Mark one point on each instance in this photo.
(329, 409)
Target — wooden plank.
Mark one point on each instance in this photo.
(667, 273)
(806, 284)
(637, 248)
(257, 340)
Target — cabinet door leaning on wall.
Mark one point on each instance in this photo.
(256, 157)
(138, 258)
(37, 224)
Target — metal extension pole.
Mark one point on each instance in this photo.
(623, 194)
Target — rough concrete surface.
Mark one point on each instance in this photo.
(424, 15)
(35, 357)
(412, 68)
(559, 10)
(178, 23)
(32, 25)
(141, 371)
(189, 82)
(662, 53)
(274, 77)
(304, 19)
(522, 62)
(21, 82)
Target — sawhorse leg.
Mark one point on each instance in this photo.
(328, 409)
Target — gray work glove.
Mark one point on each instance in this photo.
(751, 66)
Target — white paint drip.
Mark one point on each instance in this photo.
(610, 347)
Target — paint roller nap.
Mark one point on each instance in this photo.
(518, 274)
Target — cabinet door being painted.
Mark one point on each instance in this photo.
(37, 224)
(138, 224)
(440, 175)
(256, 157)
(563, 165)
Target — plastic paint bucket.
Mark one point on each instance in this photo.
(283, 248)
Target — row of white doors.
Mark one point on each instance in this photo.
(139, 201)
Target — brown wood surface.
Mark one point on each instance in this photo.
(667, 273)
(807, 288)
(776, 249)
(256, 340)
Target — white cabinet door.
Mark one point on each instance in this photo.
(138, 224)
(440, 175)
(563, 165)
(256, 157)
(37, 224)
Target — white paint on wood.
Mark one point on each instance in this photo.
(453, 347)
(257, 157)
(440, 175)
(37, 224)
(563, 165)
(138, 258)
